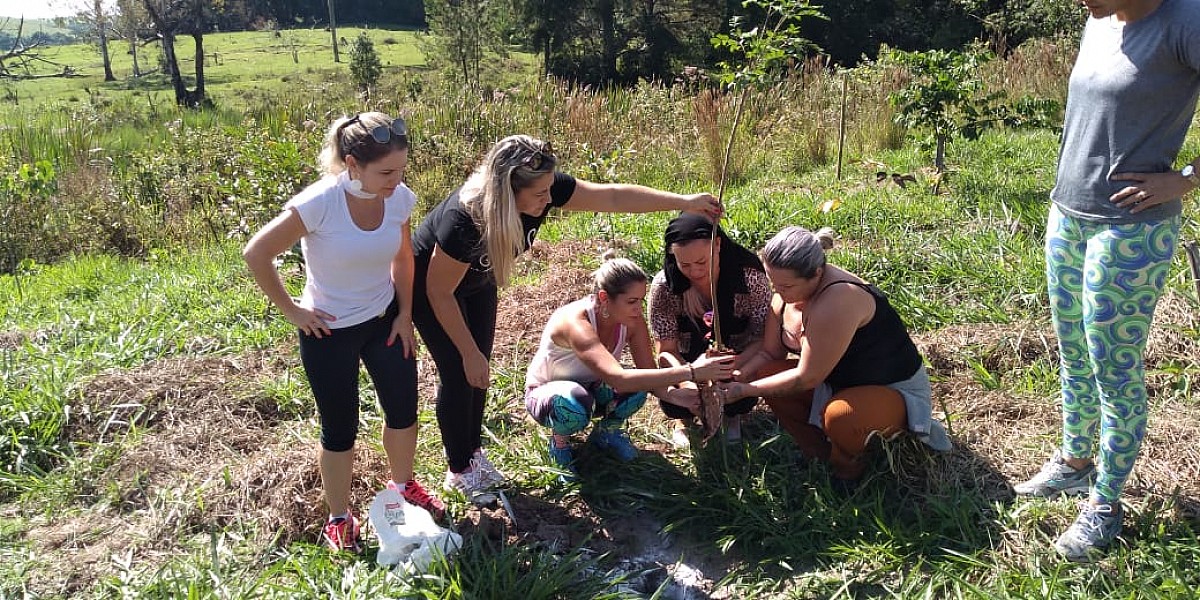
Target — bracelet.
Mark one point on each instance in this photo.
(693, 370)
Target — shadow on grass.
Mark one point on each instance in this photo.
(762, 505)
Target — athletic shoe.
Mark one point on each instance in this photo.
(680, 439)
(487, 471)
(564, 459)
(1058, 478)
(615, 442)
(415, 494)
(341, 533)
(1093, 530)
(469, 483)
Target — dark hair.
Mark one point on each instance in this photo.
(798, 250)
(688, 227)
(359, 136)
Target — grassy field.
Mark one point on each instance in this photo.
(157, 434)
(236, 64)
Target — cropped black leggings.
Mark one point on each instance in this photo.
(331, 364)
(459, 406)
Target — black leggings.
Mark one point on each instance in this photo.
(459, 406)
(331, 364)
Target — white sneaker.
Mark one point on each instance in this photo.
(468, 483)
(487, 471)
(680, 439)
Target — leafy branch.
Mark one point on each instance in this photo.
(766, 50)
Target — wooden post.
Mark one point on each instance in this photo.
(842, 127)
(333, 33)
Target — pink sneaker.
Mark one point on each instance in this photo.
(341, 533)
(416, 494)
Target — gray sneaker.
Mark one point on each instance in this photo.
(1092, 532)
(1058, 478)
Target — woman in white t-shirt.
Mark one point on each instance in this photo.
(353, 228)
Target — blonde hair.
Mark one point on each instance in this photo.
(615, 275)
(349, 136)
(489, 195)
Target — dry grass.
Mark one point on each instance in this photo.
(210, 450)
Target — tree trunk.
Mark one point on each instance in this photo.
(333, 32)
(198, 96)
(606, 11)
(168, 46)
(939, 159)
(108, 74)
(133, 51)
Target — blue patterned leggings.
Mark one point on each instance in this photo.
(567, 407)
(1104, 282)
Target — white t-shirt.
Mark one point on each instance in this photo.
(349, 270)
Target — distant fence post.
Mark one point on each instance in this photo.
(842, 127)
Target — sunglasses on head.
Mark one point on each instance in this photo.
(539, 158)
(382, 134)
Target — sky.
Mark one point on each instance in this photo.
(36, 9)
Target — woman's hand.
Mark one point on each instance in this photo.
(732, 392)
(310, 321)
(688, 398)
(1149, 189)
(478, 372)
(704, 203)
(713, 368)
(402, 327)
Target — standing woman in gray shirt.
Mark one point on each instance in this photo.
(1112, 231)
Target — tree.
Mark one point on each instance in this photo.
(171, 18)
(947, 98)
(97, 21)
(547, 25)
(463, 31)
(132, 24)
(23, 56)
(365, 66)
(1010, 22)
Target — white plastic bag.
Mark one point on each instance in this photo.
(408, 535)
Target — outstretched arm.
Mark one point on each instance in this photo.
(629, 198)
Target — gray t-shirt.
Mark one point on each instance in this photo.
(1131, 98)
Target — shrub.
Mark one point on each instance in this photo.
(365, 67)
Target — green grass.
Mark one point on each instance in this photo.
(764, 523)
(239, 64)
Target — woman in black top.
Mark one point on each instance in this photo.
(859, 373)
(466, 248)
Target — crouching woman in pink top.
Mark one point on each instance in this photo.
(576, 374)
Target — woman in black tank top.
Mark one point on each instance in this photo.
(858, 373)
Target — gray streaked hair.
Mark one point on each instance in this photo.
(798, 250)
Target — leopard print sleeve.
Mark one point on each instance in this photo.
(665, 309)
(757, 301)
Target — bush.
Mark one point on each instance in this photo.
(365, 67)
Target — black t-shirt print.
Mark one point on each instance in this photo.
(449, 226)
